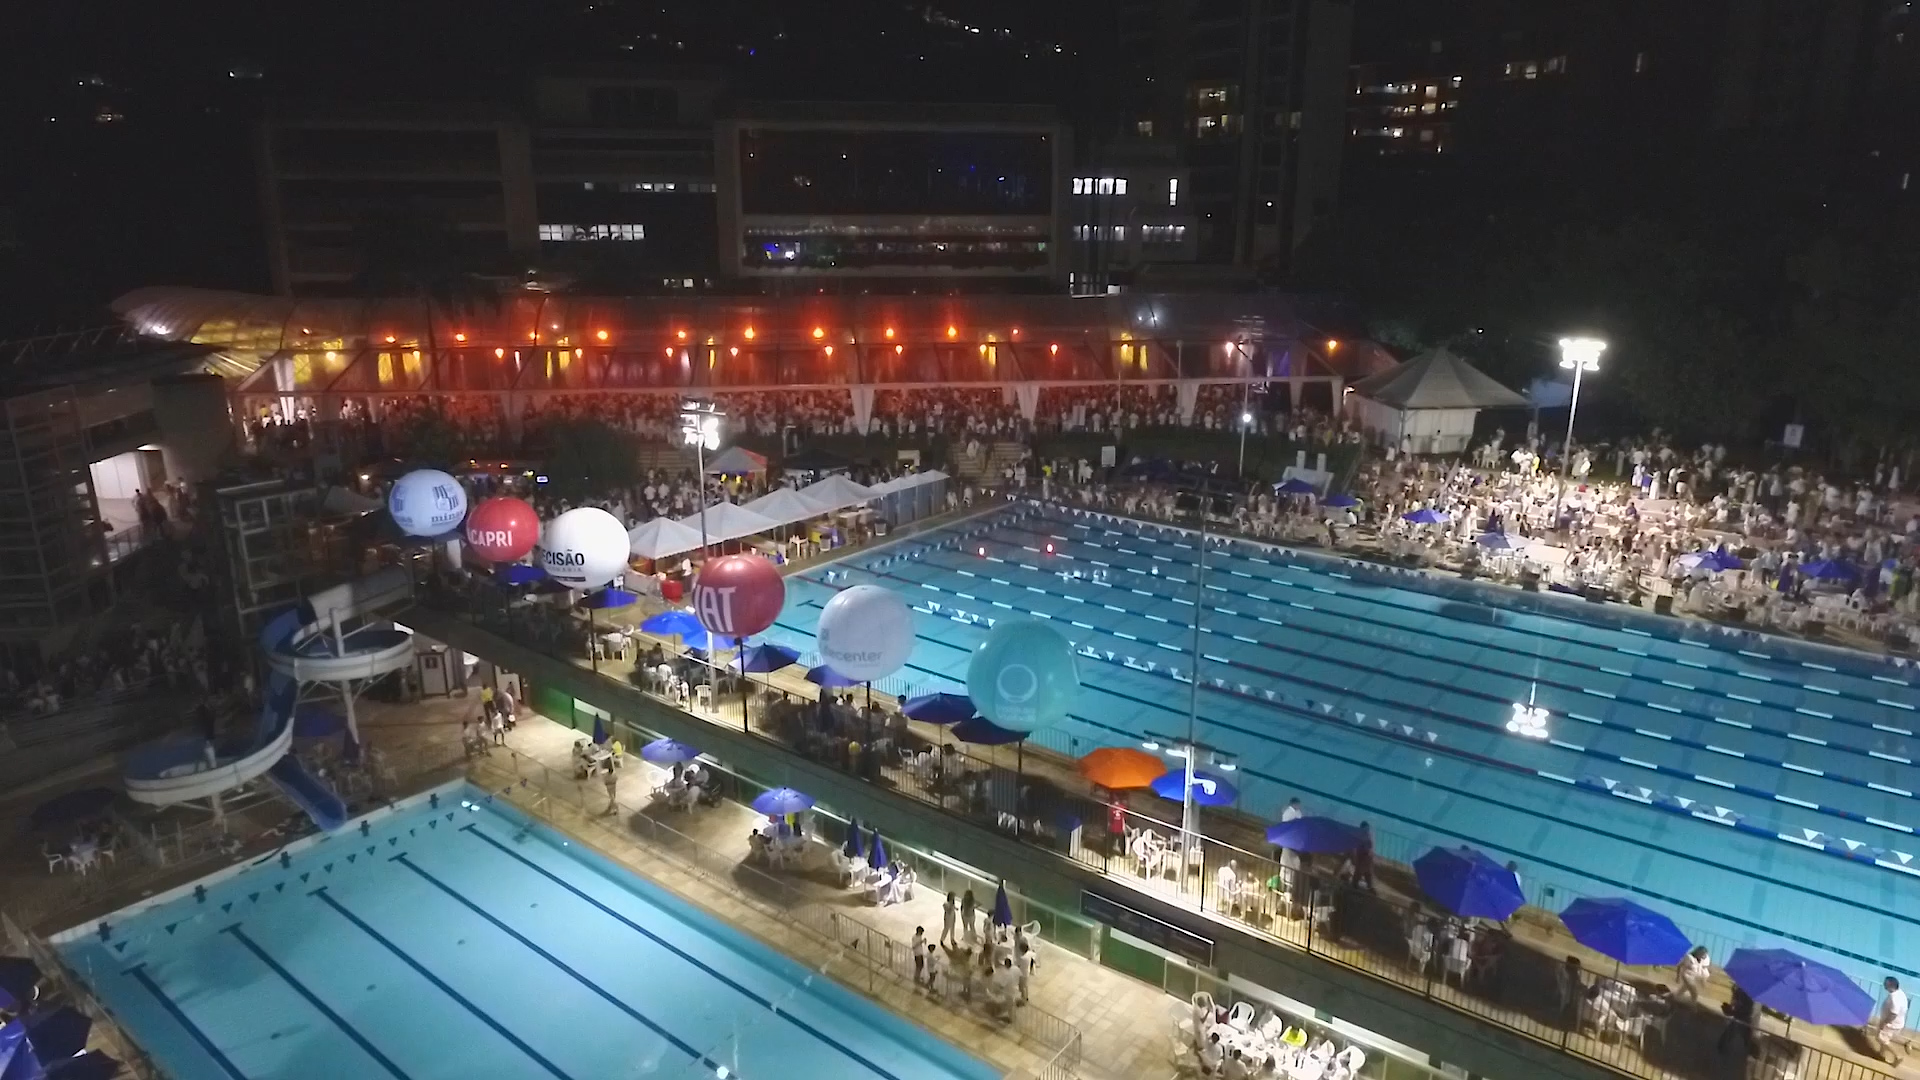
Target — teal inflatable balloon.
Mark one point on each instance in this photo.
(1023, 677)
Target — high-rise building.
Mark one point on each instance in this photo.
(1254, 93)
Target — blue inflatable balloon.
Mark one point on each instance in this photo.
(427, 502)
(1023, 677)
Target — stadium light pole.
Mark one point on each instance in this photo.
(700, 428)
(1581, 354)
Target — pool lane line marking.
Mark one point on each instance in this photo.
(1782, 707)
(441, 984)
(313, 999)
(711, 972)
(1411, 610)
(138, 973)
(681, 1044)
(1014, 525)
(1744, 789)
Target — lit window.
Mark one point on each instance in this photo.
(1456, 79)
(1432, 90)
(1639, 62)
(1143, 127)
(1120, 185)
(1213, 95)
(1119, 232)
(567, 233)
(1079, 186)
(1106, 185)
(1173, 191)
(1429, 108)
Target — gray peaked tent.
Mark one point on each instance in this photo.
(1428, 404)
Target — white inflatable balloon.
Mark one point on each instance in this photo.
(584, 548)
(865, 633)
(427, 502)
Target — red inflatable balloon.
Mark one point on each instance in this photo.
(502, 529)
(738, 595)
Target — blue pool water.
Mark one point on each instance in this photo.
(1756, 790)
(455, 941)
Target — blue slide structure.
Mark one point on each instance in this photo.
(308, 644)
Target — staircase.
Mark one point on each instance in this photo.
(985, 470)
(668, 457)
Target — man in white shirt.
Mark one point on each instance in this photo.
(1888, 1023)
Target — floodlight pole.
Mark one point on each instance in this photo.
(1582, 354)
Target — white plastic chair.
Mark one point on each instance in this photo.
(1348, 1063)
(1240, 1017)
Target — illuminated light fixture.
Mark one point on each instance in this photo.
(749, 333)
(829, 350)
(1049, 547)
(1581, 353)
(332, 356)
(533, 335)
(499, 354)
(601, 334)
(953, 331)
(700, 425)
(1528, 720)
(553, 326)
(1054, 349)
(304, 330)
(983, 553)
(1246, 418)
(391, 339)
(680, 334)
(733, 350)
(1151, 744)
(669, 352)
(983, 348)
(818, 333)
(1016, 332)
(898, 349)
(889, 333)
(459, 337)
(1333, 344)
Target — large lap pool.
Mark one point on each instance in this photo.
(1754, 789)
(458, 940)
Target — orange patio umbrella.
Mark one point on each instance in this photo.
(1120, 767)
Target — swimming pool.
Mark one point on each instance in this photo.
(1759, 790)
(454, 938)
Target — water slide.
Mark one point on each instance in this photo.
(308, 644)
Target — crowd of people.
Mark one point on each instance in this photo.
(126, 657)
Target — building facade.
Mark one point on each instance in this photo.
(1253, 92)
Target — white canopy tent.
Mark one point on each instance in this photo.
(727, 521)
(837, 491)
(660, 538)
(907, 481)
(1428, 404)
(785, 506)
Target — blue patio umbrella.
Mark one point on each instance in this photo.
(981, 731)
(1625, 931)
(1427, 516)
(1208, 789)
(518, 574)
(877, 852)
(92, 1065)
(668, 752)
(16, 1057)
(1314, 835)
(18, 977)
(852, 850)
(829, 678)
(1499, 541)
(599, 732)
(1002, 910)
(1829, 570)
(941, 709)
(1294, 486)
(766, 657)
(702, 641)
(672, 623)
(72, 806)
(57, 1033)
(1468, 883)
(1727, 560)
(780, 801)
(1342, 501)
(1789, 983)
(603, 599)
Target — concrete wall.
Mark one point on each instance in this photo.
(1361, 999)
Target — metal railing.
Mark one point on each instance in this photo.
(537, 789)
(1353, 927)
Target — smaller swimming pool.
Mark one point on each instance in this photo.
(453, 937)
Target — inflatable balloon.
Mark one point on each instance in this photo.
(738, 595)
(502, 529)
(584, 548)
(427, 502)
(865, 633)
(1023, 677)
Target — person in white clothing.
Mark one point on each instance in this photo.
(1692, 973)
(1888, 1022)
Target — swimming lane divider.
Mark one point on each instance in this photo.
(681, 1044)
(138, 973)
(439, 983)
(313, 999)
(708, 969)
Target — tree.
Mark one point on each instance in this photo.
(589, 459)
